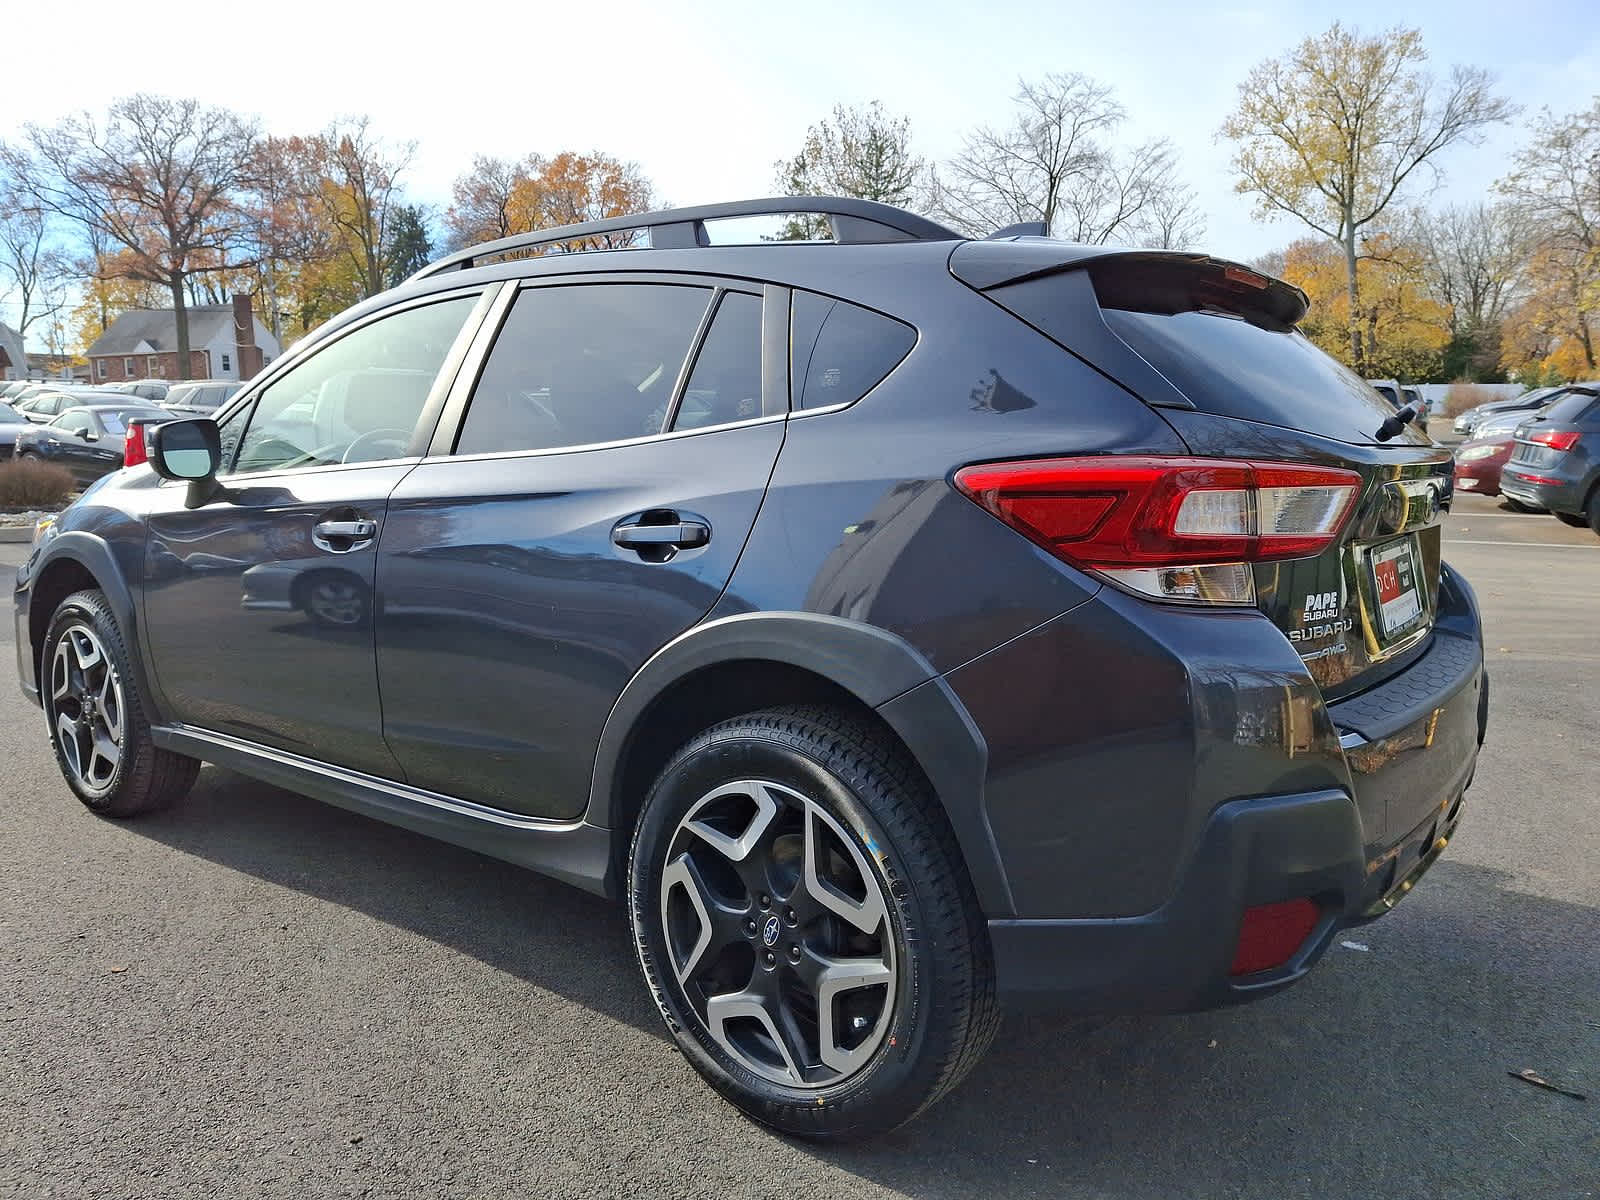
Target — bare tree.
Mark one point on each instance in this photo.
(1332, 132)
(157, 182)
(1473, 258)
(30, 261)
(1056, 163)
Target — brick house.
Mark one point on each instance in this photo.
(226, 341)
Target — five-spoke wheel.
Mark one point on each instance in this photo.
(778, 932)
(86, 696)
(805, 924)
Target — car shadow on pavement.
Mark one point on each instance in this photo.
(1386, 1070)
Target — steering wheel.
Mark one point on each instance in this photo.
(398, 438)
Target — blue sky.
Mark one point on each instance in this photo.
(706, 96)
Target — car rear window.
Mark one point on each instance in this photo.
(1571, 407)
(1257, 370)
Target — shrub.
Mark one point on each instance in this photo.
(1463, 396)
(34, 485)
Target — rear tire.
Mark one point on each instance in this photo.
(98, 728)
(805, 923)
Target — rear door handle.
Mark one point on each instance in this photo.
(339, 537)
(683, 535)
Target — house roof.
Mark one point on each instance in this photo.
(154, 330)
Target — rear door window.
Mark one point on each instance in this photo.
(725, 385)
(581, 364)
(838, 352)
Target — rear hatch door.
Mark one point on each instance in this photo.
(1215, 348)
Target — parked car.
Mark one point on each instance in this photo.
(87, 440)
(44, 405)
(898, 626)
(1466, 423)
(11, 423)
(146, 389)
(1481, 458)
(1400, 396)
(1556, 461)
(200, 397)
(14, 389)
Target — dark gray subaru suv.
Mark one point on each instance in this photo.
(897, 624)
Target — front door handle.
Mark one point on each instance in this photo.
(340, 537)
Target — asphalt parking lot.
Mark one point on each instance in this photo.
(258, 996)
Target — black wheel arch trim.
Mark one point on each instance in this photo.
(93, 555)
(875, 666)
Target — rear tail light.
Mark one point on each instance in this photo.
(1174, 528)
(1556, 439)
(133, 451)
(1269, 934)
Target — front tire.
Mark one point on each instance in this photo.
(805, 923)
(98, 727)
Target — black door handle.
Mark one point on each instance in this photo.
(683, 535)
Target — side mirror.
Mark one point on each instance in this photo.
(88, 435)
(189, 450)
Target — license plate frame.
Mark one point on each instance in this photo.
(1400, 599)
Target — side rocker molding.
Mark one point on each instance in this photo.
(575, 852)
(881, 670)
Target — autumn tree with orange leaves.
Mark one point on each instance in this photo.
(497, 198)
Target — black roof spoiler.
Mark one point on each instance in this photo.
(991, 264)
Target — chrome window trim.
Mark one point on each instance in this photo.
(433, 457)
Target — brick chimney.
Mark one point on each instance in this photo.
(244, 336)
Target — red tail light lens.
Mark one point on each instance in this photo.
(1556, 439)
(1269, 934)
(1177, 528)
(133, 451)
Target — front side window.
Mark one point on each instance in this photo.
(580, 364)
(839, 352)
(73, 423)
(356, 400)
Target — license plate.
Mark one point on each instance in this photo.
(1397, 583)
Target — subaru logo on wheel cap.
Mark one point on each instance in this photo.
(769, 930)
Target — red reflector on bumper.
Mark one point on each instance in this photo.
(1269, 934)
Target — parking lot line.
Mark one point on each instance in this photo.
(1528, 545)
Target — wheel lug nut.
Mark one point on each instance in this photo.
(766, 900)
(788, 915)
(770, 957)
(794, 953)
(858, 1023)
(750, 928)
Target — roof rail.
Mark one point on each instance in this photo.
(853, 222)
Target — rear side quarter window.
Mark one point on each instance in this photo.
(838, 352)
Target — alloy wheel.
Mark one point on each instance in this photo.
(778, 931)
(86, 701)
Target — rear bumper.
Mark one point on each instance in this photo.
(1355, 845)
(1177, 958)
(1566, 496)
(1482, 478)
